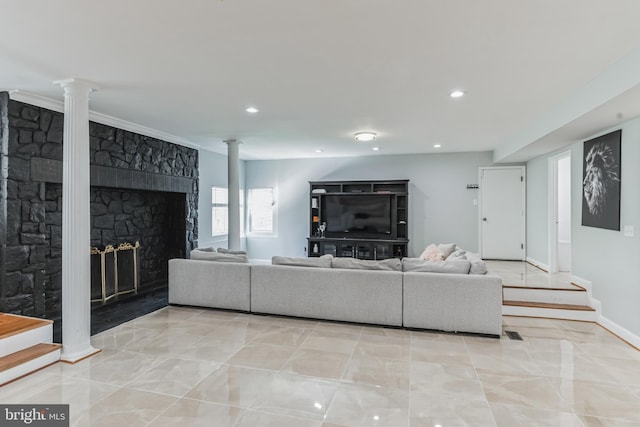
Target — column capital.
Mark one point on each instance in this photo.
(231, 141)
(72, 84)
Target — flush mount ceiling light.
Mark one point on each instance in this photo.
(365, 136)
(456, 94)
(251, 110)
(376, 148)
(437, 145)
(319, 150)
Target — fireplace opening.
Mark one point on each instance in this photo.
(134, 233)
(147, 224)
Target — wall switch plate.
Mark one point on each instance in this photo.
(475, 202)
(629, 231)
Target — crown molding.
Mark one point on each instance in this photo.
(37, 100)
(55, 105)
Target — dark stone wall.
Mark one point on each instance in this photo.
(30, 282)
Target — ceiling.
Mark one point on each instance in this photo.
(537, 74)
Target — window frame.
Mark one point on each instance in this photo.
(274, 213)
(215, 205)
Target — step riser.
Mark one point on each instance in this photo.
(549, 296)
(550, 313)
(28, 367)
(26, 339)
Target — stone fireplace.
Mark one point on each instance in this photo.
(142, 189)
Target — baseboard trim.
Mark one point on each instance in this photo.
(538, 264)
(583, 283)
(619, 331)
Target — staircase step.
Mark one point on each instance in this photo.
(20, 332)
(23, 362)
(549, 310)
(12, 324)
(23, 356)
(548, 305)
(553, 296)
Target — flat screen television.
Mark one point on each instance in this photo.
(358, 216)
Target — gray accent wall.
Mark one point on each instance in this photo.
(606, 258)
(441, 208)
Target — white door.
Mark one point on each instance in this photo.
(502, 213)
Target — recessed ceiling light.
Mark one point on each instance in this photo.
(376, 148)
(251, 110)
(437, 145)
(365, 136)
(319, 150)
(456, 94)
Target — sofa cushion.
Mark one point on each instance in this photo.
(457, 254)
(477, 264)
(323, 262)
(420, 265)
(215, 256)
(228, 251)
(478, 267)
(209, 249)
(391, 264)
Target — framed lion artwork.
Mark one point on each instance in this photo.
(601, 182)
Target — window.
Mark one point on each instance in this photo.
(261, 210)
(219, 211)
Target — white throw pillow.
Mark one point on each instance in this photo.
(432, 253)
(447, 249)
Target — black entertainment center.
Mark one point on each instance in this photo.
(359, 219)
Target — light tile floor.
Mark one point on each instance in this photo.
(195, 367)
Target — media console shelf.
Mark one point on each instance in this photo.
(362, 219)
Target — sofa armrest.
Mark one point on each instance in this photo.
(210, 284)
(453, 302)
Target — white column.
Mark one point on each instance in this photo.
(76, 227)
(233, 171)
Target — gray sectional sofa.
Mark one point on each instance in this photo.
(346, 290)
(328, 293)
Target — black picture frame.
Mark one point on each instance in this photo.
(601, 179)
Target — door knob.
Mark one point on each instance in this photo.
(484, 219)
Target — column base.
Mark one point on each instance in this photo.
(78, 355)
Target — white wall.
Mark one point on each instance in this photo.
(606, 258)
(564, 199)
(537, 211)
(212, 172)
(441, 208)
